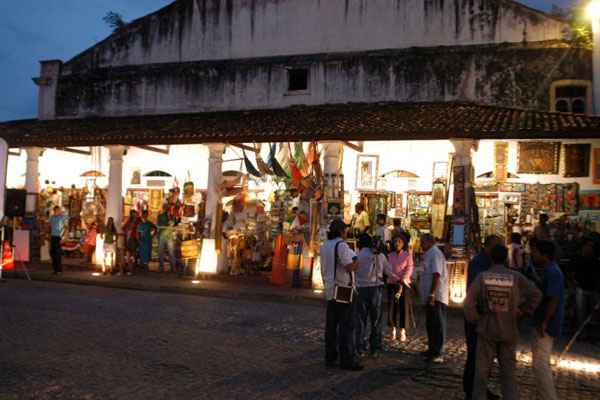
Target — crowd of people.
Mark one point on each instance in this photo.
(511, 291)
(139, 235)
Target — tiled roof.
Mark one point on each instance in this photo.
(353, 121)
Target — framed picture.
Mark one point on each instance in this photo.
(596, 166)
(589, 200)
(539, 157)
(367, 171)
(577, 160)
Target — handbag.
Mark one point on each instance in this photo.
(342, 294)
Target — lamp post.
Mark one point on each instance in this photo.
(593, 13)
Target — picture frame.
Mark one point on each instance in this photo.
(596, 166)
(440, 170)
(539, 158)
(577, 160)
(367, 172)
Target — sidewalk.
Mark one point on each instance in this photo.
(256, 288)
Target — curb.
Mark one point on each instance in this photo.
(292, 299)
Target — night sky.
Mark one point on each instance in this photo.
(33, 30)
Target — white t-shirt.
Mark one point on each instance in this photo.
(434, 262)
(384, 233)
(345, 257)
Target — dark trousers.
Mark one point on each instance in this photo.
(339, 333)
(436, 321)
(370, 305)
(398, 314)
(469, 372)
(56, 253)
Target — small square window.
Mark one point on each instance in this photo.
(297, 79)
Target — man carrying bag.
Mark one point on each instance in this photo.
(338, 263)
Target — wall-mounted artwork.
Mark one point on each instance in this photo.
(367, 171)
(577, 160)
(589, 200)
(596, 166)
(501, 161)
(539, 157)
(440, 170)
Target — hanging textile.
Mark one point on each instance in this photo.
(250, 168)
(262, 165)
(315, 160)
(274, 164)
(300, 159)
(283, 156)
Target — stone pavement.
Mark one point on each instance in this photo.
(256, 287)
(61, 341)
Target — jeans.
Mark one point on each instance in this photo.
(370, 305)
(56, 253)
(436, 321)
(340, 317)
(166, 245)
(506, 353)
(544, 381)
(469, 371)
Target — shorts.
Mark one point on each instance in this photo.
(110, 248)
(132, 245)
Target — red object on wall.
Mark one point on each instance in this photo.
(279, 262)
(8, 263)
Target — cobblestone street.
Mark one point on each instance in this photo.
(79, 342)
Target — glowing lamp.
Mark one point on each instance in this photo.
(317, 279)
(207, 263)
(458, 281)
(593, 9)
(96, 274)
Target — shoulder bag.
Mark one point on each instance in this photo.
(342, 294)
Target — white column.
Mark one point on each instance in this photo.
(332, 157)
(3, 172)
(596, 63)
(114, 206)
(213, 192)
(32, 178)
(462, 157)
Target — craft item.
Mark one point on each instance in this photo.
(539, 157)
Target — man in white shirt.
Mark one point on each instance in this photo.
(434, 293)
(339, 271)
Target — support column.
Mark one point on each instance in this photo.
(213, 196)
(3, 173)
(114, 203)
(32, 179)
(332, 157)
(463, 178)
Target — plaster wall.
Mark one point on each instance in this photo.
(511, 75)
(192, 30)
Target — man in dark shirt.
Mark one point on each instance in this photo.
(586, 270)
(480, 263)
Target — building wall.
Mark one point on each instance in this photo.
(506, 75)
(192, 30)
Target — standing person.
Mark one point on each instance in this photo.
(131, 242)
(548, 317)
(516, 255)
(434, 293)
(110, 245)
(586, 268)
(372, 263)
(382, 230)
(480, 263)
(542, 230)
(400, 299)
(338, 263)
(166, 242)
(146, 232)
(361, 223)
(57, 231)
(90, 242)
(496, 300)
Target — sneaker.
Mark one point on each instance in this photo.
(437, 360)
(130, 274)
(353, 367)
(403, 335)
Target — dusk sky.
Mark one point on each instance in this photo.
(33, 30)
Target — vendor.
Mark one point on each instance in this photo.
(360, 223)
(300, 225)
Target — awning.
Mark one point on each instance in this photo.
(352, 121)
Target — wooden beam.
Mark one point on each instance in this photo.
(75, 151)
(14, 153)
(244, 147)
(155, 149)
(356, 147)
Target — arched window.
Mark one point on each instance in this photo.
(571, 96)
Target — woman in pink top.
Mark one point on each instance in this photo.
(400, 312)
